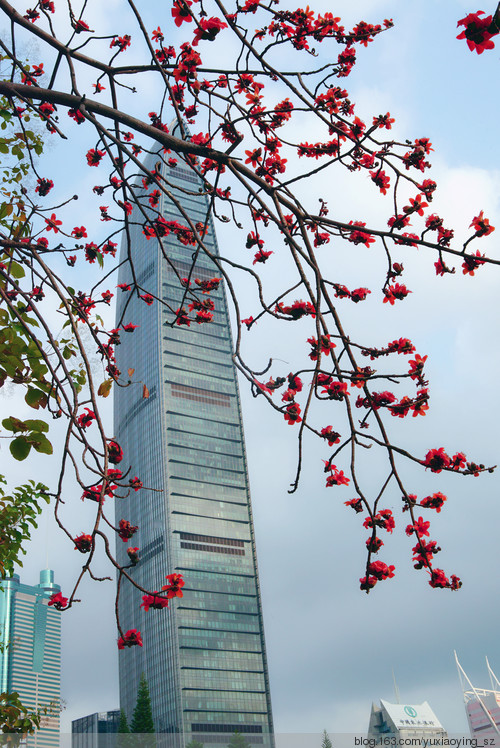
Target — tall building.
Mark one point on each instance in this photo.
(97, 730)
(403, 721)
(482, 706)
(204, 658)
(31, 662)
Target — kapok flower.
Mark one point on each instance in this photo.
(336, 477)
(83, 543)
(380, 570)
(115, 452)
(292, 413)
(58, 601)
(126, 530)
(435, 501)
(330, 435)
(130, 639)
(135, 483)
(420, 528)
(478, 31)
(437, 460)
(94, 157)
(86, 418)
(482, 225)
(174, 586)
(53, 224)
(153, 601)
(133, 554)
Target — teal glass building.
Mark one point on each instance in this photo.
(31, 662)
(204, 658)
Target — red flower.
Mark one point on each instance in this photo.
(324, 346)
(130, 639)
(180, 12)
(152, 601)
(122, 42)
(356, 504)
(175, 583)
(458, 461)
(83, 543)
(359, 294)
(336, 390)
(374, 544)
(439, 579)
(208, 29)
(79, 232)
(435, 501)
(135, 483)
(470, 263)
(336, 477)
(381, 180)
(437, 460)
(129, 327)
(44, 186)
(383, 120)
(397, 291)
(261, 256)
(53, 223)
(330, 435)
(94, 157)
(292, 413)
(420, 528)
(58, 601)
(147, 298)
(133, 554)
(482, 225)
(360, 237)
(86, 418)
(477, 31)
(115, 452)
(380, 570)
(126, 530)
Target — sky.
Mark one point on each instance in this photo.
(332, 649)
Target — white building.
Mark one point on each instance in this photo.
(404, 721)
(482, 705)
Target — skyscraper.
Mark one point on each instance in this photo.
(204, 658)
(31, 663)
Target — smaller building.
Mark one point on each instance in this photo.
(404, 721)
(97, 730)
(31, 660)
(482, 705)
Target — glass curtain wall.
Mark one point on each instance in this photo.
(204, 658)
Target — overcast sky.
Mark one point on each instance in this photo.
(331, 648)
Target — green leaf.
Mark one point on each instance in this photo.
(43, 445)
(20, 448)
(13, 424)
(37, 425)
(16, 270)
(68, 352)
(36, 398)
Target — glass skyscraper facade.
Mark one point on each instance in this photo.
(31, 662)
(204, 658)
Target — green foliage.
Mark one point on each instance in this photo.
(18, 518)
(194, 744)
(237, 741)
(16, 718)
(326, 742)
(123, 724)
(30, 433)
(142, 718)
